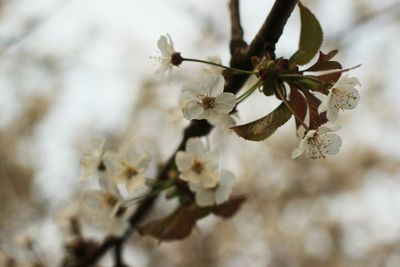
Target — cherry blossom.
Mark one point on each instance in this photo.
(342, 95)
(217, 194)
(207, 100)
(197, 165)
(319, 143)
(168, 53)
(92, 160)
(128, 167)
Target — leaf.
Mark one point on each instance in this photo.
(324, 62)
(316, 118)
(299, 105)
(229, 208)
(310, 37)
(264, 127)
(180, 223)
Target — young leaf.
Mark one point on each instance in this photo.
(316, 118)
(180, 223)
(310, 37)
(324, 62)
(261, 129)
(299, 105)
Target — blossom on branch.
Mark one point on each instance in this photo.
(207, 100)
(169, 56)
(217, 194)
(92, 160)
(342, 95)
(319, 143)
(128, 167)
(197, 165)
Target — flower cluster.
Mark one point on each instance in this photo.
(200, 168)
(106, 207)
(323, 141)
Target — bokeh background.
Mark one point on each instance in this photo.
(71, 70)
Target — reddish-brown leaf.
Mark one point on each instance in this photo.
(316, 119)
(229, 208)
(298, 104)
(324, 62)
(180, 223)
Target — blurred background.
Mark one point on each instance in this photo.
(71, 70)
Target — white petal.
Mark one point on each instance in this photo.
(332, 113)
(111, 160)
(190, 176)
(299, 150)
(195, 187)
(142, 162)
(224, 103)
(227, 178)
(332, 143)
(209, 178)
(225, 186)
(107, 184)
(352, 98)
(136, 183)
(205, 198)
(195, 146)
(211, 160)
(193, 111)
(325, 103)
(213, 85)
(183, 161)
(328, 127)
(164, 46)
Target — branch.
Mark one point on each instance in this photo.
(263, 43)
(236, 28)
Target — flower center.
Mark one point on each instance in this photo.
(110, 200)
(207, 102)
(130, 172)
(197, 166)
(316, 142)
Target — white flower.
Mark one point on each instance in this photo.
(319, 143)
(342, 95)
(92, 160)
(207, 101)
(197, 165)
(212, 69)
(128, 167)
(104, 210)
(166, 47)
(215, 195)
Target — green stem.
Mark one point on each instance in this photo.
(248, 92)
(237, 71)
(300, 77)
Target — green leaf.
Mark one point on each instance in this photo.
(262, 128)
(310, 37)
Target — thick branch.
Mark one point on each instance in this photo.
(236, 28)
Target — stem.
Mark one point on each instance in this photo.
(291, 109)
(248, 92)
(300, 76)
(237, 71)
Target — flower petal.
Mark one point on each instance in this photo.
(183, 161)
(224, 103)
(332, 113)
(142, 162)
(135, 184)
(193, 111)
(299, 150)
(195, 146)
(205, 197)
(332, 143)
(213, 85)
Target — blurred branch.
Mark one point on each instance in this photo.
(263, 43)
(236, 28)
(364, 19)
